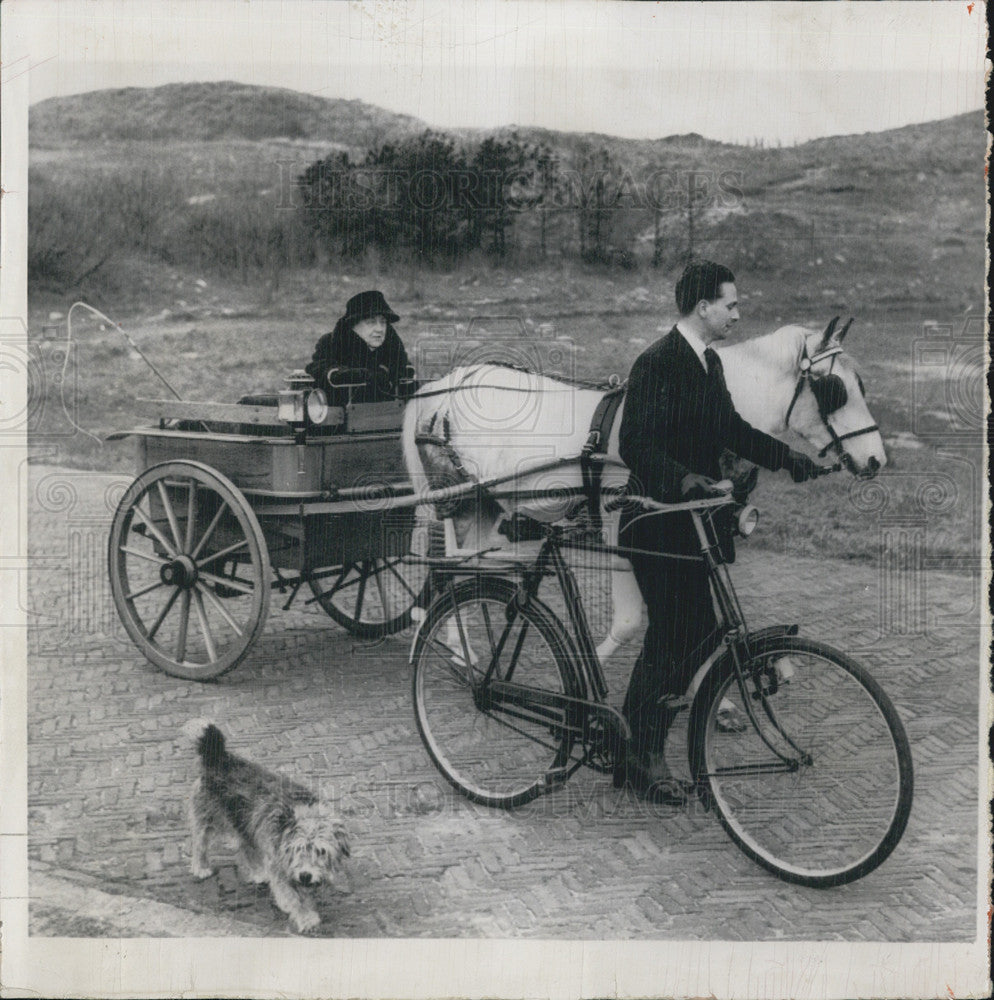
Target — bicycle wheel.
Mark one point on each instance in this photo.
(819, 791)
(496, 753)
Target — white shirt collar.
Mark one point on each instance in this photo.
(695, 342)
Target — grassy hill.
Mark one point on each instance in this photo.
(210, 111)
(202, 176)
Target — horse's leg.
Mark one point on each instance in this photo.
(473, 527)
(626, 613)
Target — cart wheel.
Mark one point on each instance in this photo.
(189, 570)
(373, 598)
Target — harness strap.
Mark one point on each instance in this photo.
(803, 379)
(600, 433)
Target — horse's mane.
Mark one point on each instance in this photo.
(784, 345)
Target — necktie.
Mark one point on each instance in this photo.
(711, 359)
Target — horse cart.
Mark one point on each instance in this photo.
(235, 501)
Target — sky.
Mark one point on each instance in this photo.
(777, 71)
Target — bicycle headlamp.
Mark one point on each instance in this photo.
(748, 519)
(317, 406)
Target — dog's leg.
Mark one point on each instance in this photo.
(250, 865)
(301, 911)
(200, 831)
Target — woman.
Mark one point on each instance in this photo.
(363, 347)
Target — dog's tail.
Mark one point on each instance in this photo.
(209, 741)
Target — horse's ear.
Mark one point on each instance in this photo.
(844, 331)
(827, 335)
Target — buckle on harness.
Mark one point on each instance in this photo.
(593, 440)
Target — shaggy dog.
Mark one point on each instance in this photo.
(285, 836)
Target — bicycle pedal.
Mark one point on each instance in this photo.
(555, 777)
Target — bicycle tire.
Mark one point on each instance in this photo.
(492, 757)
(836, 817)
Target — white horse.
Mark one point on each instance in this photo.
(491, 422)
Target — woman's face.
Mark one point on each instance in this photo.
(372, 331)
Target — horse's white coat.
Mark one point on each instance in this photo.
(501, 421)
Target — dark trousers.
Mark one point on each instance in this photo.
(680, 634)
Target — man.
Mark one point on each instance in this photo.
(678, 418)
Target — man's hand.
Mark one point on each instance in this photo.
(800, 467)
(695, 487)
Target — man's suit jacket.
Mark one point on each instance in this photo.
(677, 420)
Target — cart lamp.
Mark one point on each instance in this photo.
(748, 519)
(317, 407)
(291, 407)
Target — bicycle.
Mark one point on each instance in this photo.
(816, 787)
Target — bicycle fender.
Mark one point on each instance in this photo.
(720, 651)
(774, 632)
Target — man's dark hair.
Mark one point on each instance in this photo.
(701, 280)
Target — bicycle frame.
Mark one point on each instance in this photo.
(601, 728)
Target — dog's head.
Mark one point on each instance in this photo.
(313, 845)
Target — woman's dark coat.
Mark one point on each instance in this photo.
(343, 351)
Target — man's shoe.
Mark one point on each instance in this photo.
(650, 778)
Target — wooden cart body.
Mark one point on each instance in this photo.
(314, 504)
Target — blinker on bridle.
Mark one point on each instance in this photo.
(830, 394)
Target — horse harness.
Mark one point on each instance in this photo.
(830, 394)
(591, 469)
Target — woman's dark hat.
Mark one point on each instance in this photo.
(368, 304)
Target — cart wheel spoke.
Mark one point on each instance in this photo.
(148, 556)
(158, 535)
(160, 584)
(191, 512)
(205, 629)
(238, 546)
(392, 567)
(206, 536)
(133, 595)
(184, 622)
(167, 506)
(162, 614)
(362, 590)
(233, 583)
(219, 607)
(381, 591)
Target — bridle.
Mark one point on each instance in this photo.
(824, 390)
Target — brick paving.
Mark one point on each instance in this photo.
(108, 773)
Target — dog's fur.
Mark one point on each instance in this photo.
(286, 836)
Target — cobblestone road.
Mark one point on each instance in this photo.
(108, 773)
